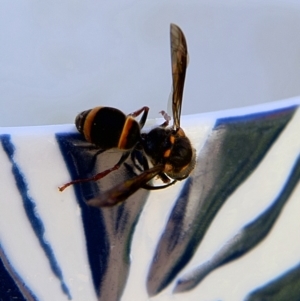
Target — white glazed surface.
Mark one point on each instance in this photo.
(38, 156)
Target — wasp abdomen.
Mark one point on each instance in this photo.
(131, 134)
(108, 128)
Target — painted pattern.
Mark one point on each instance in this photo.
(204, 239)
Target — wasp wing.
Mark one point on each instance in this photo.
(179, 57)
(121, 192)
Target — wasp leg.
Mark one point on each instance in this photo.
(150, 187)
(163, 177)
(99, 175)
(166, 117)
(144, 116)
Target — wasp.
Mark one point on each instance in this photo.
(167, 148)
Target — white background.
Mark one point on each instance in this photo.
(61, 57)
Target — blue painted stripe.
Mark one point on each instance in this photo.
(31, 212)
(246, 239)
(255, 116)
(12, 287)
(78, 161)
(232, 151)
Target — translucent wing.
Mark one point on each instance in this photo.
(121, 192)
(179, 57)
(170, 100)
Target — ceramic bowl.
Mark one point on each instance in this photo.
(230, 231)
(227, 232)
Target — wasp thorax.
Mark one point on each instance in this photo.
(156, 143)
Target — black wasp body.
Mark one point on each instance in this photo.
(110, 128)
(167, 148)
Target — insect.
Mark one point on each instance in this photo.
(167, 148)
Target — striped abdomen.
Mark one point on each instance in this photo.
(108, 128)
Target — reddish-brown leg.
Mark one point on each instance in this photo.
(97, 176)
(144, 116)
